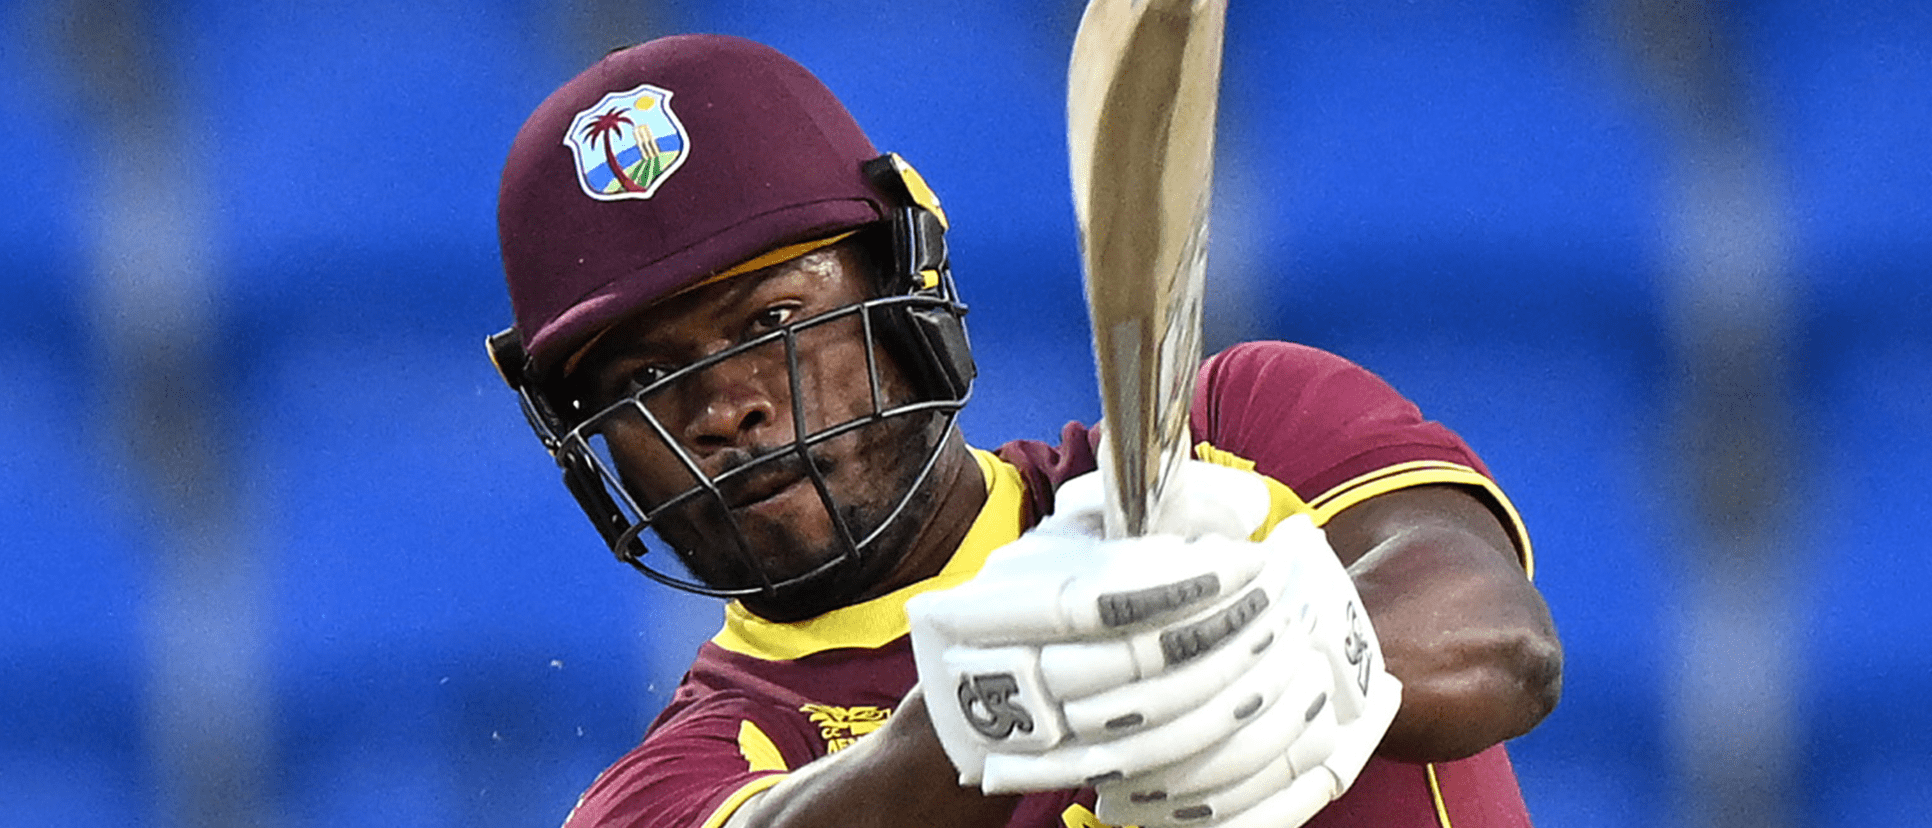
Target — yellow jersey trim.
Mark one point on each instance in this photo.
(877, 622)
(757, 748)
(1283, 503)
(1435, 794)
(1423, 473)
(1080, 816)
(738, 797)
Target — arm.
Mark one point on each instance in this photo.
(895, 776)
(1418, 556)
(1460, 624)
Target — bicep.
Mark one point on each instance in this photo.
(1360, 529)
(1459, 621)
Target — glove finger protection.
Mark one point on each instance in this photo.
(1264, 741)
(1133, 749)
(1149, 808)
(1286, 808)
(1002, 695)
(1305, 750)
(1202, 654)
(1057, 591)
(1050, 588)
(1243, 675)
(1281, 791)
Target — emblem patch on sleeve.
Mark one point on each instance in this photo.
(841, 726)
(627, 144)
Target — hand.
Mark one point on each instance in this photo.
(1206, 499)
(1163, 671)
(1305, 750)
(1059, 662)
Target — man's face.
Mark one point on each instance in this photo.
(743, 407)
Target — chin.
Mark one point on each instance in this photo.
(791, 533)
(790, 554)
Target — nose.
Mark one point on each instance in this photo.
(736, 403)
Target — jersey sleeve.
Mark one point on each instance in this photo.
(694, 769)
(1333, 432)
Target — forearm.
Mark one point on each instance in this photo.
(1458, 620)
(1477, 654)
(896, 776)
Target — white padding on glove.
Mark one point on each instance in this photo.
(1302, 752)
(1170, 629)
(1047, 588)
(1194, 678)
(1215, 648)
(1208, 499)
(1060, 616)
(1261, 742)
(1214, 710)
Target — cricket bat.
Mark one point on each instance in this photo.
(1141, 91)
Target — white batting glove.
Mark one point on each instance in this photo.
(1210, 499)
(1071, 660)
(1050, 667)
(1306, 749)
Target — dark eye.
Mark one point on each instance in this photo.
(776, 316)
(616, 387)
(620, 379)
(646, 377)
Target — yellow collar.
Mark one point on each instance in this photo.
(878, 622)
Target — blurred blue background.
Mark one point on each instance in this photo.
(280, 551)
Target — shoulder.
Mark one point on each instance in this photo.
(1316, 421)
(822, 668)
(1311, 419)
(1285, 377)
(1268, 354)
(1252, 396)
(736, 724)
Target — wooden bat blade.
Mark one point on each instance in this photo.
(1142, 88)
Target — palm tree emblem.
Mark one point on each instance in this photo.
(600, 131)
(627, 144)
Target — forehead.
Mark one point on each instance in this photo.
(821, 280)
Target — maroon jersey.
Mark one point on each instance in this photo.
(762, 698)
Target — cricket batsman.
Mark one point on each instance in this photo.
(737, 332)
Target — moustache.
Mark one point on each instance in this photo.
(747, 475)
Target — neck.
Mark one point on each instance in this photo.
(960, 492)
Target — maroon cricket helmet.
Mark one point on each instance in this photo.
(661, 165)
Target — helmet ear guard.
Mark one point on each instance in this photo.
(932, 335)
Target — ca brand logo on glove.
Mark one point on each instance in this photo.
(1355, 647)
(988, 701)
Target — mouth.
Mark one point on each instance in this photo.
(748, 488)
(762, 490)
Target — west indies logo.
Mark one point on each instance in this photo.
(627, 144)
(841, 726)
